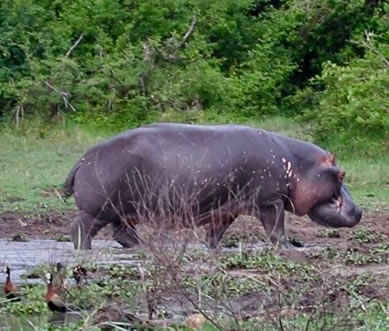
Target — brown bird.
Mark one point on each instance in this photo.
(60, 281)
(54, 301)
(10, 290)
(59, 267)
(79, 273)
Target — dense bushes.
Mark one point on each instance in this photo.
(349, 104)
(354, 106)
(120, 63)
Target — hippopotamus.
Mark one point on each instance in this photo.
(204, 175)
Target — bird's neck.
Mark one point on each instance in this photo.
(50, 287)
(50, 294)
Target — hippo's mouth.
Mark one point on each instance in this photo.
(335, 205)
(333, 208)
(338, 201)
(322, 221)
(340, 211)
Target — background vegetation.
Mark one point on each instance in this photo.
(116, 64)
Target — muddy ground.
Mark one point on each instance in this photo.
(341, 273)
(56, 225)
(50, 225)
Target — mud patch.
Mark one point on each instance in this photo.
(49, 225)
(303, 230)
(245, 229)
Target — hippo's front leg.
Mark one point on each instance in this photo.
(216, 230)
(84, 228)
(125, 234)
(273, 220)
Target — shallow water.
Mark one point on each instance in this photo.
(23, 256)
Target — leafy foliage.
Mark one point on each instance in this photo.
(122, 63)
(354, 104)
(354, 101)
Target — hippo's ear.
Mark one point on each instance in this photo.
(329, 159)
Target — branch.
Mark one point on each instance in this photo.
(64, 96)
(74, 45)
(188, 33)
(369, 46)
(62, 93)
(152, 55)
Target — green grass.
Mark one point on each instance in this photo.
(33, 164)
(368, 179)
(32, 167)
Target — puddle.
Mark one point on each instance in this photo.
(24, 256)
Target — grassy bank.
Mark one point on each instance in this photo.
(34, 164)
(32, 167)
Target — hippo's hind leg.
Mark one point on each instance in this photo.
(216, 230)
(273, 220)
(124, 233)
(84, 228)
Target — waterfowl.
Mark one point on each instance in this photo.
(54, 301)
(60, 280)
(10, 290)
(60, 267)
(79, 273)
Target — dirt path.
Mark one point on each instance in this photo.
(56, 225)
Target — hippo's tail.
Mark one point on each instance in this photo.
(67, 189)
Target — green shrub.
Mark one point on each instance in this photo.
(120, 64)
(353, 108)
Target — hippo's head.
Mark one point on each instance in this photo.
(340, 211)
(321, 193)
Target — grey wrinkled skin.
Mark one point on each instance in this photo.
(177, 175)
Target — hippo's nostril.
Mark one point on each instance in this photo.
(357, 215)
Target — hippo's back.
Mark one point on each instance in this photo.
(194, 161)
